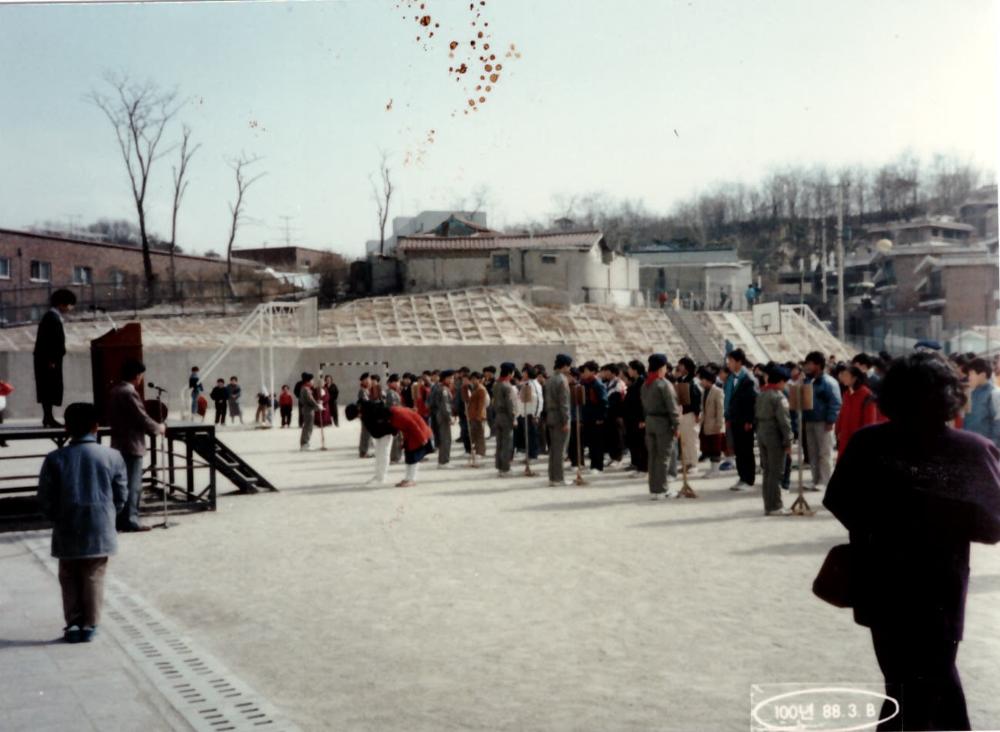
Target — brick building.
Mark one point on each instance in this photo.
(962, 289)
(33, 265)
(938, 267)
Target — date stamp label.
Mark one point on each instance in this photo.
(819, 707)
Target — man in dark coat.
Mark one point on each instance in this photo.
(50, 347)
(635, 418)
(913, 493)
(595, 411)
(742, 408)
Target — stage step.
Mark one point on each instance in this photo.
(230, 465)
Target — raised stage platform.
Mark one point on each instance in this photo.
(171, 467)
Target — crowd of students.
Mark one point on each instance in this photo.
(726, 415)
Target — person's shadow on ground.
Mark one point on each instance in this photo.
(27, 643)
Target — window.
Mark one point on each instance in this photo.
(83, 275)
(41, 271)
(549, 259)
(501, 261)
(117, 278)
(4, 268)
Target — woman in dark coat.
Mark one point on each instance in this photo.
(913, 493)
(50, 348)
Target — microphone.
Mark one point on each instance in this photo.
(160, 389)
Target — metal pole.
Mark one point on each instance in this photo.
(161, 444)
(270, 403)
(840, 262)
(822, 263)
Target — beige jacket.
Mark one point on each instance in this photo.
(713, 419)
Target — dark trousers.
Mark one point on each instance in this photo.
(635, 439)
(920, 673)
(463, 426)
(334, 413)
(220, 412)
(593, 439)
(286, 416)
(614, 439)
(573, 446)
(532, 430)
(746, 466)
(82, 584)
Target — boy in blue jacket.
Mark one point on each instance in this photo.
(818, 422)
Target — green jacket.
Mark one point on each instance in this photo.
(774, 422)
(660, 405)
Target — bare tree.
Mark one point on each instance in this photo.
(383, 199)
(475, 202)
(180, 185)
(138, 113)
(243, 182)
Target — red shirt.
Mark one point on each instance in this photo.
(857, 411)
(285, 399)
(422, 393)
(411, 425)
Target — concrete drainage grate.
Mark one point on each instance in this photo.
(197, 685)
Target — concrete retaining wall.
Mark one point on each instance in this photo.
(171, 368)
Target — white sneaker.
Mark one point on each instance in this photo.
(503, 473)
(817, 488)
(658, 496)
(559, 483)
(444, 466)
(595, 471)
(741, 487)
(779, 512)
(712, 472)
(305, 448)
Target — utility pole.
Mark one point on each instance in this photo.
(288, 229)
(840, 262)
(822, 261)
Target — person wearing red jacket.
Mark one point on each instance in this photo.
(381, 420)
(859, 408)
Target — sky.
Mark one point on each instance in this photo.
(647, 100)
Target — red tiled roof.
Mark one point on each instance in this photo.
(561, 240)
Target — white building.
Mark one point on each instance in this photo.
(577, 267)
(421, 223)
(713, 277)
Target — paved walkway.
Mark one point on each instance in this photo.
(46, 684)
(140, 673)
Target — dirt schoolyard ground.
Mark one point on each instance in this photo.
(473, 602)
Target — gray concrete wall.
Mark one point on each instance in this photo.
(449, 273)
(171, 369)
(585, 276)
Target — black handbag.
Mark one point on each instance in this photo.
(833, 583)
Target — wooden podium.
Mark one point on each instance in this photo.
(107, 356)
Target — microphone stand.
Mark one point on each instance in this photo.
(163, 451)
